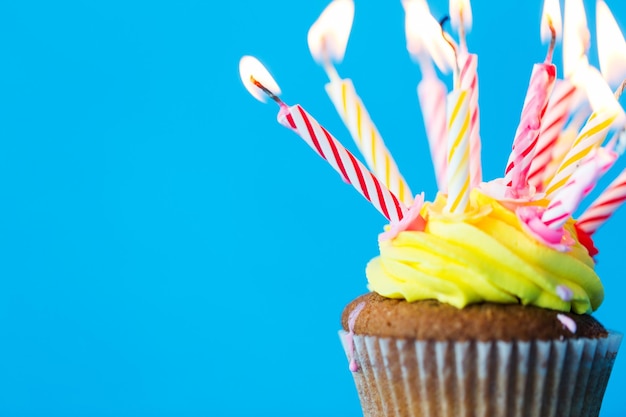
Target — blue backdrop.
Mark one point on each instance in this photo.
(166, 248)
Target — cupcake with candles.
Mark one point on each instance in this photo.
(480, 301)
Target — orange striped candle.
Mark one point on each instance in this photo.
(458, 171)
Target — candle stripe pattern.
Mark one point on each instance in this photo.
(535, 104)
(468, 76)
(591, 136)
(458, 151)
(580, 183)
(371, 145)
(552, 123)
(604, 206)
(432, 97)
(351, 170)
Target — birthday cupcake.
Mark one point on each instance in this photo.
(481, 300)
(478, 318)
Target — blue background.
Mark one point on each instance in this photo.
(166, 248)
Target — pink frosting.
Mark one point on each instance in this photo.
(530, 218)
(509, 197)
(412, 220)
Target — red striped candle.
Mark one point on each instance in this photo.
(581, 182)
(350, 169)
(535, 104)
(552, 124)
(604, 206)
(261, 85)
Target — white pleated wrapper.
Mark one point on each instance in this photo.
(400, 377)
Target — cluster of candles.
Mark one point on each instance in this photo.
(560, 149)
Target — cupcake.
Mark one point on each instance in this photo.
(474, 316)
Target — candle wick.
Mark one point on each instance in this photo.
(552, 40)
(327, 63)
(449, 41)
(266, 90)
(462, 42)
(620, 90)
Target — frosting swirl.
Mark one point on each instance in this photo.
(484, 255)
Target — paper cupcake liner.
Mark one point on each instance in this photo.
(400, 377)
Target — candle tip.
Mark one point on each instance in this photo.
(257, 79)
(328, 36)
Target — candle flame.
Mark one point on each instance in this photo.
(600, 96)
(551, 17)
(328, 36)
(461, 15)
(424, 36)
(611, 46)
(575, 38)
(257, 79)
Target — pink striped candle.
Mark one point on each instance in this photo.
(432, 97)
(458, 111)
(426, 45)
(256, 79)
(564, 144)
(468, 75)
(604, 206)
(552, 124)
(580, 183)
(535, 103)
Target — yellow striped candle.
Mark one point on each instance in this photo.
(371, 145)
(327, 39)
(591, 136)
(607, 113)
(458, 171)
(562, 146)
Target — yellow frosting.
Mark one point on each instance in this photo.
(484, 255)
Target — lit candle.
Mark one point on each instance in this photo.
(604, 206)
(576, 39)
(564, 142)
(565, 107)
(328, 38)
(611, 46)
(426, 44)
(552, 124)
(546, 225)
(261, 85)
(461, 20)
(607, 114)
(535, 103)
(458, 111)
(559, 102)
(580, 183)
